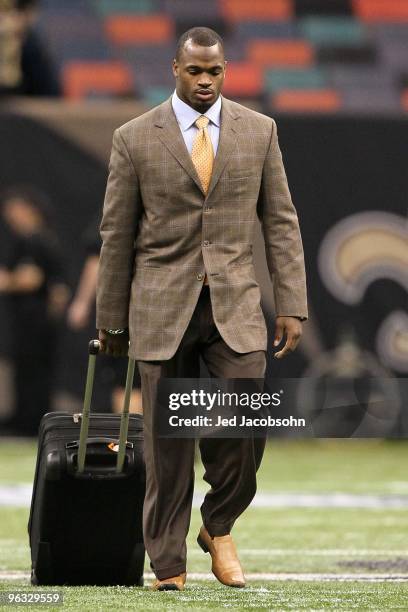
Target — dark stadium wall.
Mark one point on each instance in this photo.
(337, 168)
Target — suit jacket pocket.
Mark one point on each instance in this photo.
(236, 174)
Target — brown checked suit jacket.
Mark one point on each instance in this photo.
(161, 233)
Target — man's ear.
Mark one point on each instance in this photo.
(225, 66)
(175, 68)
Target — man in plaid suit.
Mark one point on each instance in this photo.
(176, 281)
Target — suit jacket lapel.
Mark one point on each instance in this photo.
(226, 143)
(171, 136)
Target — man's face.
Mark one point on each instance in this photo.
(199, 73)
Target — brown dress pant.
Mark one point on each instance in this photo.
(230, 463)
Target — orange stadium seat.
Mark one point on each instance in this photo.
(139, 29)
(243, 79)
(280, 52)
(304, 100)
(381, 10)
(253, 10)
(81, 79)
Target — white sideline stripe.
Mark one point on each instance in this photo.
(329, 500)
(281, 577)
(272, 552)
(19, 495)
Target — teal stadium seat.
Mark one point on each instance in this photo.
(332, 30)
(106, 8)
(156, 95)
(296, 78)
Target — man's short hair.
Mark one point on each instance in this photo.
(205, 37)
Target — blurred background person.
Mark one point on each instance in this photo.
(81, 313)
(33, 284)
(25, 64)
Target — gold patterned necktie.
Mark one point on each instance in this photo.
(202, 153)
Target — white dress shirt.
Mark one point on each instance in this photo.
(186, 116)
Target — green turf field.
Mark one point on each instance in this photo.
(312, 545)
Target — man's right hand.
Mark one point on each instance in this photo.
(115, 345)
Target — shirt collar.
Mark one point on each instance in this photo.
(186, 115)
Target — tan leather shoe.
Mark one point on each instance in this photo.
(176, 583)
(225, 563)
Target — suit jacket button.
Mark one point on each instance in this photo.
(200, 277)
(206, 242)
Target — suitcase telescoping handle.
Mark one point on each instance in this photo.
(94, 347)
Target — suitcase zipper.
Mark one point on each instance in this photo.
(75, 421)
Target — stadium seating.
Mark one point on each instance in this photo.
(179, 10)
(269, 30)
(123, 7)
(240, 10)
(82, 79)
(327, 55)
(312, 78)
(322, 7)
(151, 66)
(331, 30)
(243, 79)
(141, 29)
(381, 10)
(370, 99)
(309, 100)
(280, 53)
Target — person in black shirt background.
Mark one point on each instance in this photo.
(36, 294)
(26, 67)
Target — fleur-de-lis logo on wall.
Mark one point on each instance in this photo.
(359, 250)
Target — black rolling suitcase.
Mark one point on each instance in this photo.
(85, 523)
